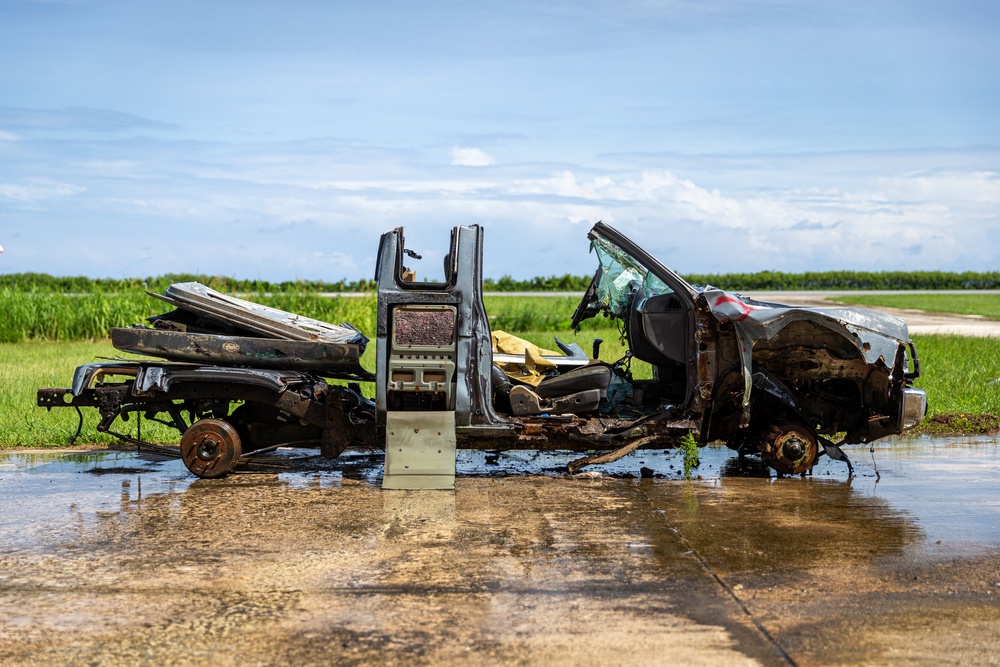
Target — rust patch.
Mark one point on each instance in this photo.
(424, 327)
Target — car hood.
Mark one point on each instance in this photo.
(875, 334)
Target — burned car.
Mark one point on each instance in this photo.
(237, 379)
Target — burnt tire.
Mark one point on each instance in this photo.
(211, 448)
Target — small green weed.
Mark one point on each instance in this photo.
(689, 448)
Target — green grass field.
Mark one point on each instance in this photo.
(36, 315)
(961, 374)
(961, 377)
(986, 305)
(44, 336)
(24, 367)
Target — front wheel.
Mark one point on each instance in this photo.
(789, 448)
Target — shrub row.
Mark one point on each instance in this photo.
(43, 282)
(762, 280)
(851, 280)
(777, 280)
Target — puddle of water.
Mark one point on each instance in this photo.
(48, 498)
(332, 479)
(949, 485)
(934, 496)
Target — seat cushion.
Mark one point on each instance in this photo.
(596, 375)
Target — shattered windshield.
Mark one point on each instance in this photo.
(621, 277)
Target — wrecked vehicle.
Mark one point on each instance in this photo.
(769, 379)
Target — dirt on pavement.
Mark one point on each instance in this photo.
(121, 559)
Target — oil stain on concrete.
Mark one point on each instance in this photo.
(118, 558)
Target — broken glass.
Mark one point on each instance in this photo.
(621, 277)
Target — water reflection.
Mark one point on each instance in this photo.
(745, 524)
(53, 498)
(745, 467)
(949, 485)
(931, 496)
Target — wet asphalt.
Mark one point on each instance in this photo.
(124, 558)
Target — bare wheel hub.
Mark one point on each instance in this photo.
(208, 449)
(790, 448)
(211, 448)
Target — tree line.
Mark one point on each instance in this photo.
(759, 281)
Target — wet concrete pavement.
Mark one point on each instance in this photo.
(117, 558)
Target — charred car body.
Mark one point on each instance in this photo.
(769, 379)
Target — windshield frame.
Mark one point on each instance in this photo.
(684, 291)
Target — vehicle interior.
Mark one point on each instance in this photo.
(653, 322)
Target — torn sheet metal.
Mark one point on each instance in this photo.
(259, 319)
(876, 336)
(331, 359)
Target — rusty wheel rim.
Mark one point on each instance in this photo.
(210, 448)
(790, 448)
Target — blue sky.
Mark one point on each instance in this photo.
(279, 140)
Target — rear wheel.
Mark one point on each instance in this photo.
(211, 448)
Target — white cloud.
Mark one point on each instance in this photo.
(415, 186)
(471, 157)
(843, 226)
(980, 187)
(793, 229)
(336, 258)
(111, 168)
(35, 190)
(696, 213)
